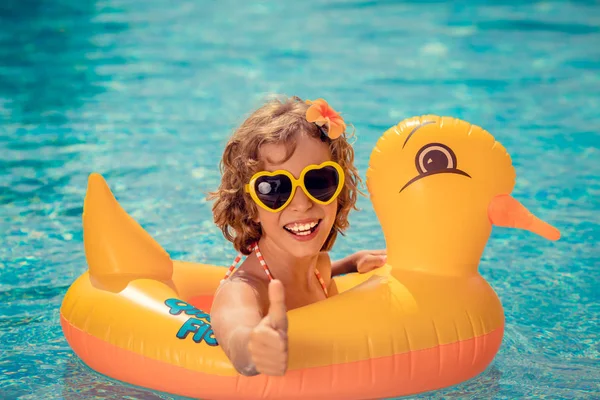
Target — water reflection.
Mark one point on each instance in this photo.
(45, 71)
(487, 382)
(80, 382)
(48, 62)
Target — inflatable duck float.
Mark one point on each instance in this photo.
(424, 321)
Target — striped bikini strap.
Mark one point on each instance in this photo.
(263, 263)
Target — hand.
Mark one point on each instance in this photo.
(368, 260)
(268, 344)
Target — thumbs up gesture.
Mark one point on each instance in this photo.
(268, 344)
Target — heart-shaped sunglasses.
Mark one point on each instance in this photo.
(273, 191)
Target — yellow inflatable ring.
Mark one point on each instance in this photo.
(424, 321)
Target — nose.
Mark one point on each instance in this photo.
(300, 202)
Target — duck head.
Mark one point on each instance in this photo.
(437, 185)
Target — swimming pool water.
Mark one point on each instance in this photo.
(147, 92)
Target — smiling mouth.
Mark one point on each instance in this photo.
(302, 229)
(443, 171)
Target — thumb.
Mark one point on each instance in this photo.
(371, 262)
(277, 311)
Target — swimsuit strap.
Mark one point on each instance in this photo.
(263, 263)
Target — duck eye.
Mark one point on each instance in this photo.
(435, 157)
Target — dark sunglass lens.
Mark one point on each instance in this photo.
(273, 191)
(322, 183)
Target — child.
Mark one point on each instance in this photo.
(288, 185)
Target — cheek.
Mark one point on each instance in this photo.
(267, 219)
(330, 211)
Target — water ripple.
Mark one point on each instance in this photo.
(147, 93)
(538, 26)
(34, 293)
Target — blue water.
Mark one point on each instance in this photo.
(147, 92)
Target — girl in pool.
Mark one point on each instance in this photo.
(287, 187)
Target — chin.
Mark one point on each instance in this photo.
(305, 250)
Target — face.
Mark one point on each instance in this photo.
(301, 228)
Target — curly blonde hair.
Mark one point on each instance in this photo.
(279, 120)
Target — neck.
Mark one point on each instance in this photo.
(285, 267)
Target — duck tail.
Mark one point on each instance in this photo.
(118, 250)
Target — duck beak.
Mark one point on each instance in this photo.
(504, 210)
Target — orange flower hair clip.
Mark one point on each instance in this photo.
(321, 114)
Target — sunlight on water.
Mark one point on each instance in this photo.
(147, 92)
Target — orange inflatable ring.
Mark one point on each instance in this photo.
(424, 321)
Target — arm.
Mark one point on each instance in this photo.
(361, 261)
(346, 265)
(235, 312)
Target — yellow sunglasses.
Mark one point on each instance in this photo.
(273, 191)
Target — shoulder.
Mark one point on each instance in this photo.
(257, 283)
(245, 286)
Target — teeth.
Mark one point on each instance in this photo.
(302, 233)
(301, 229)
